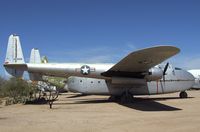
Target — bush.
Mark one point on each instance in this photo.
(18, 90)
(2, 83)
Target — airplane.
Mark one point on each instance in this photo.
(196, 74)
(139, 73)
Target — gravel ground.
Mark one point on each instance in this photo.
(74, 113)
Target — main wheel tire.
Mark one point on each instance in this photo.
(126, 98)
(114, 98)
(183, 94)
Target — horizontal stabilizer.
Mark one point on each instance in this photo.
(16, 66)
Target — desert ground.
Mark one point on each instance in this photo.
(74, 113)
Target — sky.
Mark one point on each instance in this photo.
(101, 31)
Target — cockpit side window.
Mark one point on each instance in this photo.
(176, 68)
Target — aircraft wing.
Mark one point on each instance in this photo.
(141, 61)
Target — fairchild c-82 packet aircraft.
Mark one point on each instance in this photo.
(139, 73)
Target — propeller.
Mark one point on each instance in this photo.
(165, 70)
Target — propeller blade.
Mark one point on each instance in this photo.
(165, 69)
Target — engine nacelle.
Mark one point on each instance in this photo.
(154, 74)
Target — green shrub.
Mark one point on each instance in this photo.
(2, 83)
(18, 90)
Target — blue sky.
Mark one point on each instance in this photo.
(101, 30)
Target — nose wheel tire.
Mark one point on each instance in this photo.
(183, 94)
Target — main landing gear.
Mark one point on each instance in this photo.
(126, 97)
(183, 94)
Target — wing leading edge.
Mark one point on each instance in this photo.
(141, 61)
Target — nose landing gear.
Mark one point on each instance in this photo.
(183, 94)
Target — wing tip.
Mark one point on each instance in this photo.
(170, 48)
(166, 46)
(173, 49)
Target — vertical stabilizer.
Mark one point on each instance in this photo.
(35, 56)
(14, 55)
(35, 59)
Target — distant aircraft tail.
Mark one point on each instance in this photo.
(14, 62)
(44, 60)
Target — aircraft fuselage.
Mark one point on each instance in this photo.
(87, 79)
(175, 81)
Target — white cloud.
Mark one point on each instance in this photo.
(131, 46)
(186, 62)
(193, 64)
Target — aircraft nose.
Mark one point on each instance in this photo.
(188, 76)
(188, 80)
